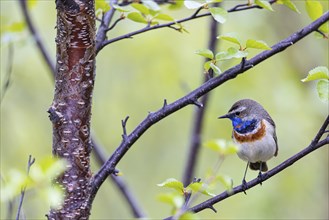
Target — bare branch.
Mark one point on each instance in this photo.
(233, 72)
(36, 37)
(131, 200)
(199, 114)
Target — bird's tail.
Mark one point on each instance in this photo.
(262, 166)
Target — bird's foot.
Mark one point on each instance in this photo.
(260, 177)
(244, 186)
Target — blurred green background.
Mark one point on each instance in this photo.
(135, 75)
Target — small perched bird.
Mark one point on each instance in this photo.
(254, 132)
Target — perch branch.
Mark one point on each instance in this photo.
(315, 144)
(211, 84)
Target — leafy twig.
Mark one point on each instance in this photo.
(242, 7)
(29, 164)
(233, 72)
(195, 15)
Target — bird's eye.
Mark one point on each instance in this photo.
(237, 113)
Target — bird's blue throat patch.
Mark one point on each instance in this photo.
(243, 127)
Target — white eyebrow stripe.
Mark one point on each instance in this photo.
(240, 109)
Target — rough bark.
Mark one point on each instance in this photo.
(70, 111)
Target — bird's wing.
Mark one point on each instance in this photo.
(270, 120)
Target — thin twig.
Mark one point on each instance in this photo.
(36, 37)
(233, 72)
(115, 23)
(198, 116)
(103, 27)
(30, 162)
(323, 34)
(124, 123)
(9, 70)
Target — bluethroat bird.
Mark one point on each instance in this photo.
(254, 132)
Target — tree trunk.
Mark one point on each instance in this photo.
(70, 111)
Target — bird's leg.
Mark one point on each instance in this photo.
(260, 175)
(244, 182)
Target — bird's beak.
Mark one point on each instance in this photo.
(225, 116)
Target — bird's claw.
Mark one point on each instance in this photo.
(244, 186)
(260, 178)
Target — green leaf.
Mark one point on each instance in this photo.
(31, 3)
(219, 14)
(176, 4)
(231, 53)
(102, 5)
(206, 65)
(121, 9)
(174, 199)
(141, 8)
(173, 184)
(188, 216)
(323, 90)
(222, 147)
(199, 187)
(55, 167)
(190, 4)
(53, 194)
(137, 17)
(324, 28)
(205, 53)
(231, 37)
(314, 9)
(226, 181)
(257, 44)
(15, 181)
(15, 27)
(264, 4)
(151, 5)
(164, 17)
(213, 1)
(235, 53)
(320, 72)
(289, 4)
(215, 68)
